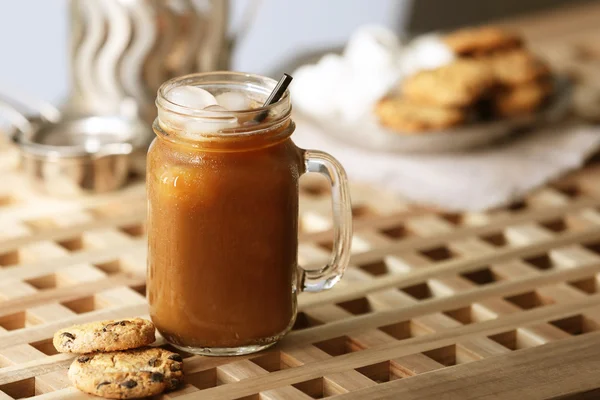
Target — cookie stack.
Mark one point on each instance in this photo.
(493, 76)
(114, 362)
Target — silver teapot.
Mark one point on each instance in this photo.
(122, 50)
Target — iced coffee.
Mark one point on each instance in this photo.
(223, 215)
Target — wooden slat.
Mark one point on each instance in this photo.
(392, 350)
(538, 373)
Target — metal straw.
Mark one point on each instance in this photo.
(275, 95)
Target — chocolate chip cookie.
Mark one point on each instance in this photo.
(481, 40)
(405, 117)
(109, 335)
(521, 100)
(458, 84)
(127, 374)
(518, 67)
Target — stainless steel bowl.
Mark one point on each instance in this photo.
(81, 156)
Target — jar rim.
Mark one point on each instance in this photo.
(220, 78)
(177, 123)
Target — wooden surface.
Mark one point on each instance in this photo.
(504, 304)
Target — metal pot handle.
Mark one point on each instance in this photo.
(16, 118)
(46, 110)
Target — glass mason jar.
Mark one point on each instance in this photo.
(223, 274)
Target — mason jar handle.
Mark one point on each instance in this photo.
(326, 277)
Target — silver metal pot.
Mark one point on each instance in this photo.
(80, 156)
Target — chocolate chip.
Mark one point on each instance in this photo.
(69, 335)
(175, 367)
(83, 359)
(157, 377)
(174, 383)
(176, 357)
(152, 361)
(108, 326)
(130, 384)
(102, 384)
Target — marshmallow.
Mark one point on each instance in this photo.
(372, 48)
(373, 62)
(425, 52)
(315, 87)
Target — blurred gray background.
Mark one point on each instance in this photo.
(34, 33)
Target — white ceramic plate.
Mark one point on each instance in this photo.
(368, 133)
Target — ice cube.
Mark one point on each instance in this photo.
(210, 124)
(191, 97)
(233, 101)
(206, 125)
(216, 108)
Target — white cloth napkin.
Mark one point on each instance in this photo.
(467, 181)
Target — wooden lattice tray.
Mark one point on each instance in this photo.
(503, 303)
